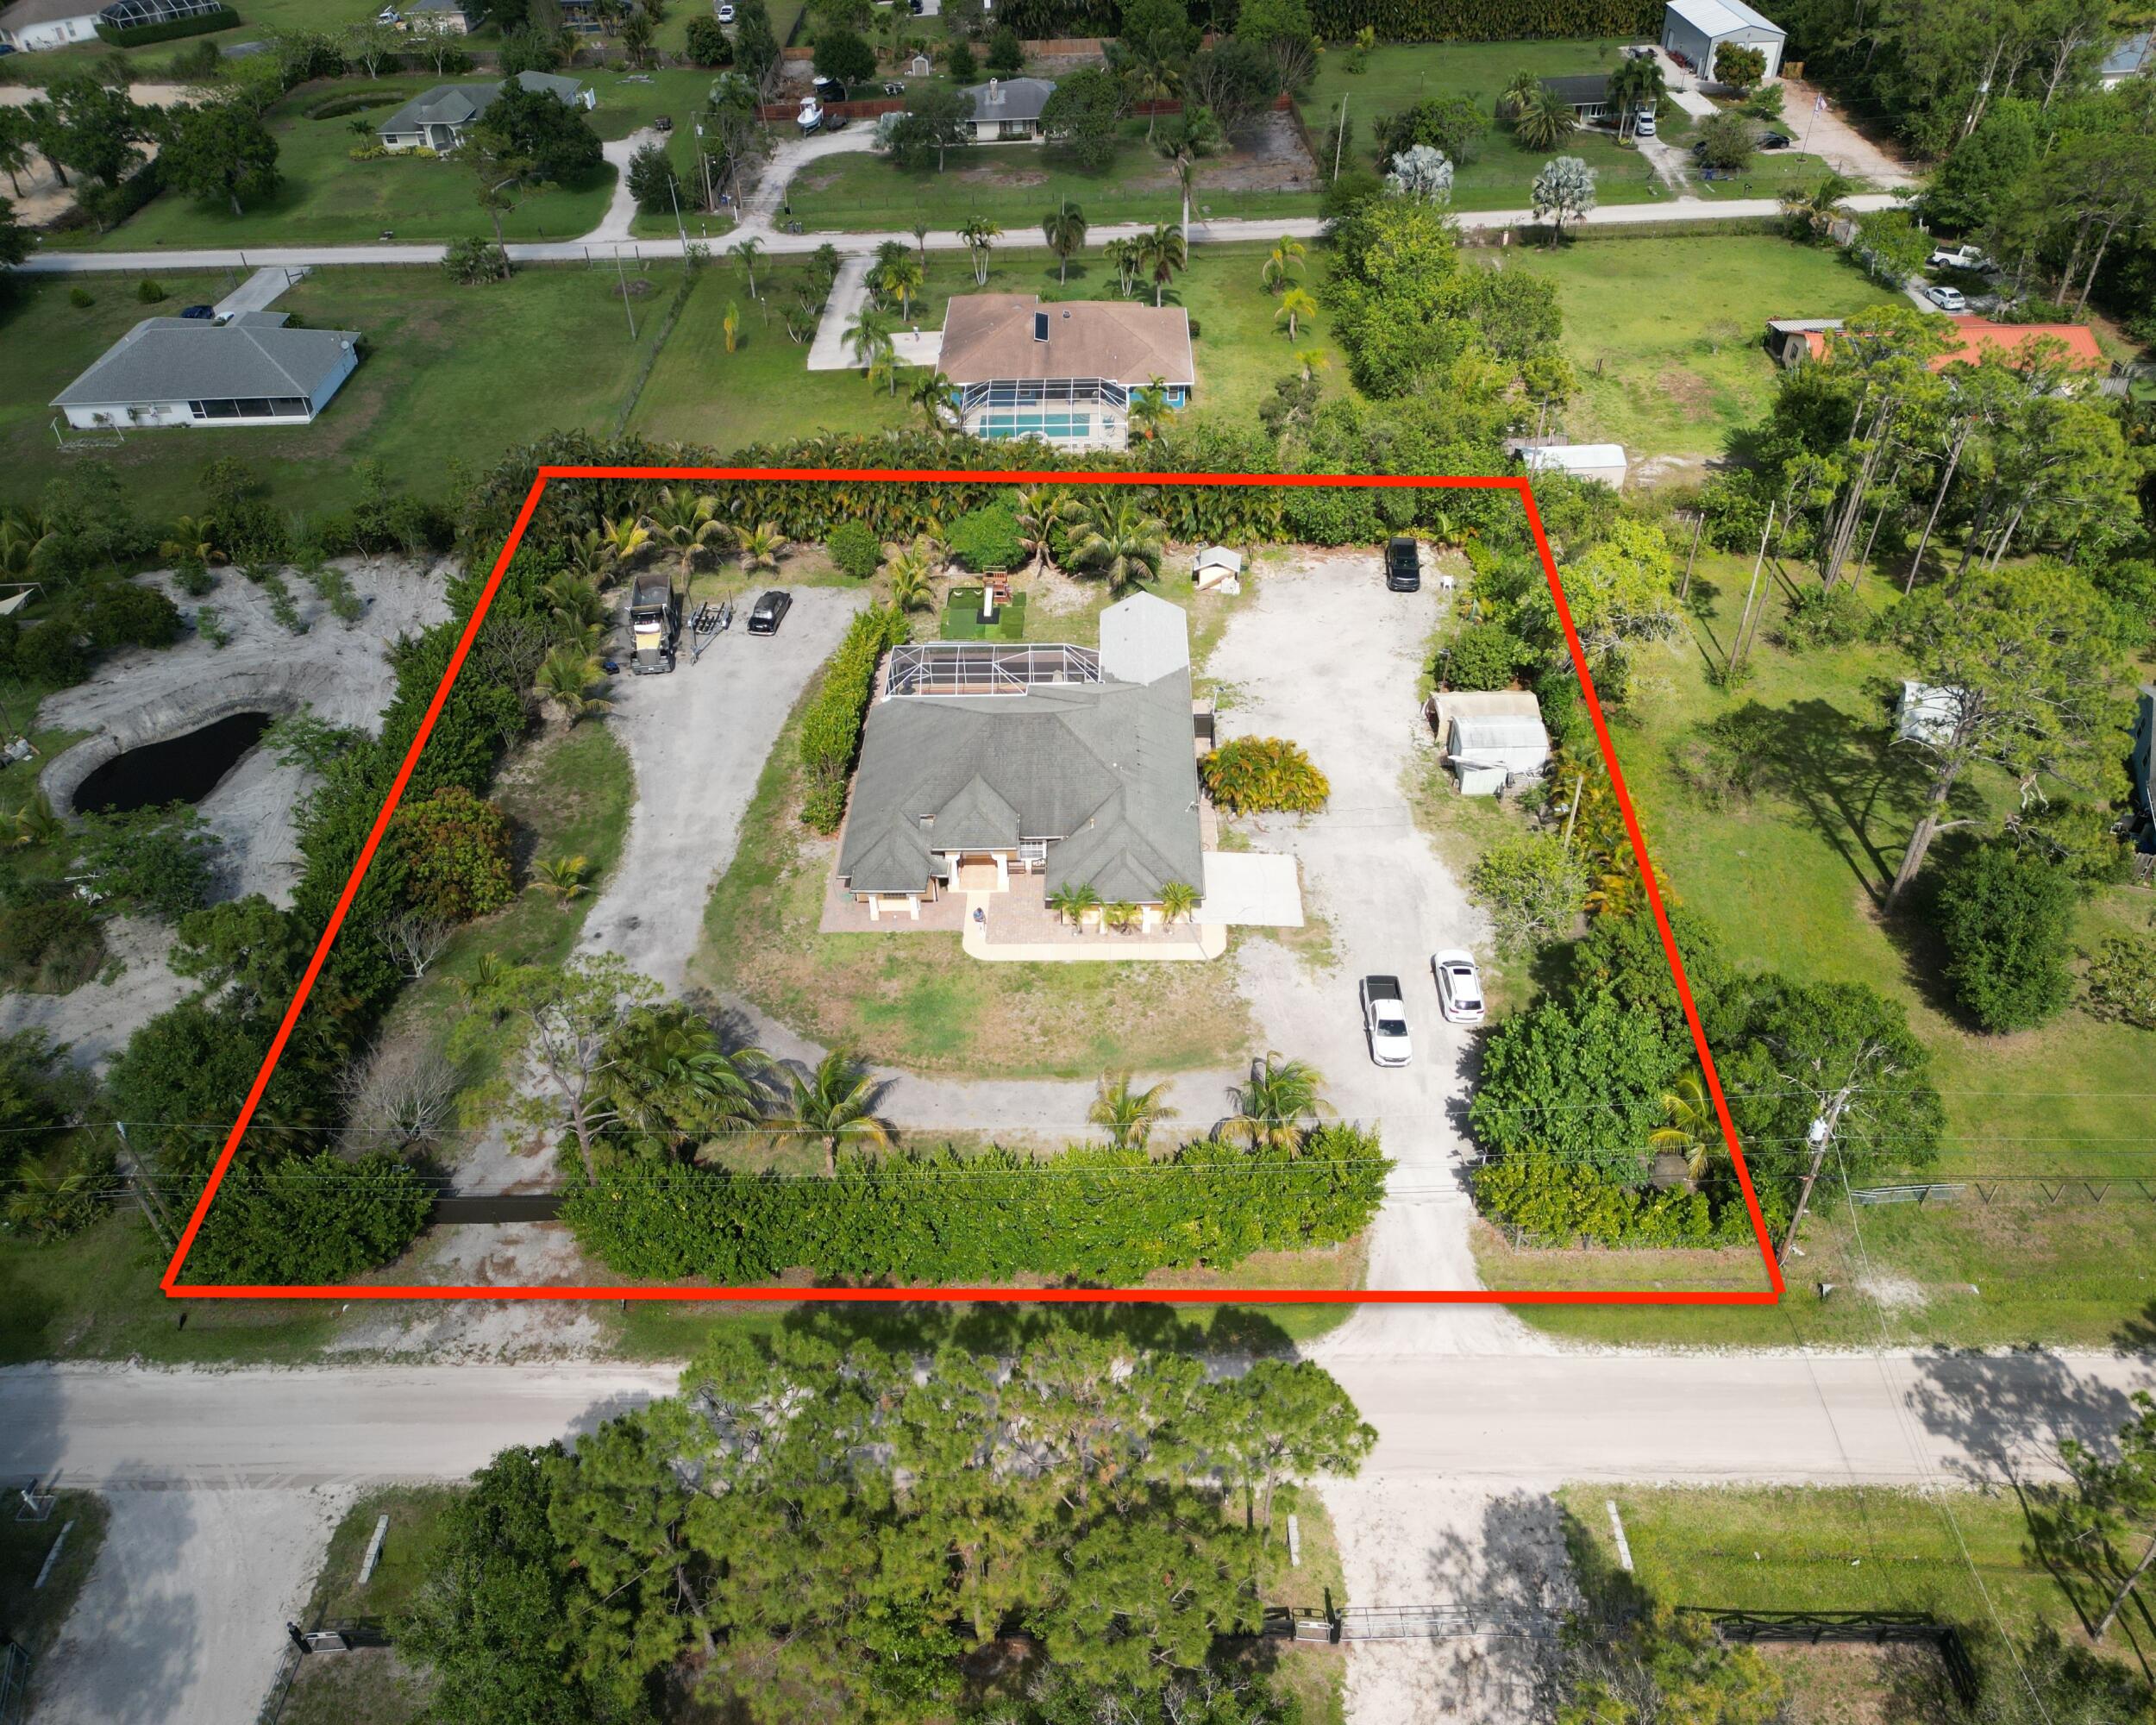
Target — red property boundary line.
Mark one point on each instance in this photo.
(175, 1289)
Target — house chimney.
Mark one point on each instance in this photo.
(996, 94)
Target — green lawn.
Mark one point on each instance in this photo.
(1961, 1556)
(1667, 335)
(1016, 185)
(31, 1615)
(370, 1686)
(451, 375)
(762, 391)
(1502, 174)
(1791, 882)
(1770, 173)
(324, 197)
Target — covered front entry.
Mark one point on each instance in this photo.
(986, 871)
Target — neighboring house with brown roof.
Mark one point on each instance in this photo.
(987, 760)
(1062, 373)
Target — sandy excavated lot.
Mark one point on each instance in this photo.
(140, 696)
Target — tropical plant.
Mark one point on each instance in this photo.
(1520, 89)
(1038, 511)
(1122, 916)
(1280, 1102)
(1162, 251)
(566, 878)
(1128, 1115)
(912, 577)
(1820, 205)
(762, 546)
(666, 1080)
(1422, 172)
(1120, 542)
(1283, 263)
(36, 824)
(192, 535)
(931, 393)
(1124, 257)
(730, 326)
(979, 236)
(748, 253)
(624, 539)
(901, 277)
(870, 338)
(1261, 774)
(1545, 119)
(1178, 898)
(833, 1103)
(1311, 361)
(1694, 1131)
(1636, 86)
(1194, 133)
(689, 521)
(1149, 408)
(1074, 900)
(1295, 304)
(1064, 228)
(1564, 189)
(568, 681)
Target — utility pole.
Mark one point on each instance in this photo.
(622, 277)
(673, 191)
(152, 1210)
(1339, 142)
(1739, 647)
(1821, 1137)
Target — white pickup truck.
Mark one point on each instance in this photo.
(1960, 258)
(1385, 1020)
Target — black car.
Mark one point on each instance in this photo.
(834, 123)
(770, 611)
(829, 90)
(1403, 566)
(200, 311)
(1773, 140)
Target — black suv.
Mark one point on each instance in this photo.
(1403, 566)
(770, 611)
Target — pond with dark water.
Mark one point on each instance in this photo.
(182, 769)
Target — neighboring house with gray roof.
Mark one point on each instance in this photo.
(248, 370)
(1007, 110)
(439, 119)
(986, 760)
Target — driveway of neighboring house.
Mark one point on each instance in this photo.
(617, 225)
(1826, 132)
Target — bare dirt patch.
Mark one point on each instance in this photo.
(1270, 156)
(999, 174)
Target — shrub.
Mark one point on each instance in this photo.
(830, 728)
(358, 101)
(152, 862)
(1554, 1202)
(192, 577)
(2121, 980)
(1485, 655)
(148, 292)
(1530, 885)
(856, 549)
(47, 1206)
(987, 539)
(49, 942)
(708, 43)
(79, 298)
(455, 847)
(303, 1220)
(1724, 760)
(471, 261)
(1263, 774)
(1729, 141)
(50, 652)
(121, 614)
(1817, 617)
(2004, 915)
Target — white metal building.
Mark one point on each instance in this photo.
(1698, 29)
(1604, 462)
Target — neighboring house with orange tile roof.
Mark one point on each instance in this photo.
(1794, 340)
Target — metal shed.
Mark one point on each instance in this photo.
(1696, 29)
(1486, 750)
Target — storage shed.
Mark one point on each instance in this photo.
(1698, 29)
(1488, 737)
(1218, 568)
(1604, 462)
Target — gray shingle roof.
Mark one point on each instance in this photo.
(185, 359)
(459, 104)
(1106, 768)
(1010, 98)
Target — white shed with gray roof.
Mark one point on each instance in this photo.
(248, 370)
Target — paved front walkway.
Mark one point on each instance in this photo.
(829, 351)
(260, 290)
(621, 214)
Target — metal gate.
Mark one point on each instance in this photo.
(1440, 1622)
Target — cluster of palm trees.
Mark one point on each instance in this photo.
(1274, 1107)
(25, 539)
(1541, 119)
(1076, 901)
(570, 678)
(1115, 538)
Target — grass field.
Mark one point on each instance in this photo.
(1502, 174)
(369, 1686)
(1018, 184)
(324, 197)
(1667, 335)
(452, 374)
(1791, 881)
(1962, 1556)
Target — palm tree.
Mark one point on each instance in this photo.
(624, 538)
(1521, 88)
(1286, 261)
(1129, 1115)
(979, 236)
(920, 238)
(1121, 916)
(1196, 133)
(192, 535)
(1295, 304)
(1545, 121)
(762, 546)
(868, 338)
(748, 253)
(1636, 86)
(903, 276)
(1694, 1131)
(568, 678)
(1818, 206)
(1039, 512)
(1313, 360)
(574, 604)
(1124, 256)
(1279, 1103)
(24, 538)
(1118, 542)
(912, 577)
(36, 824)
(1074, 902)
(1064, 228)
(1160, 254)
(1149, 408)
(836, 1102)
(931, 394)
(669, 1080)
(566, 878)
(688, 521)
(1178, 898)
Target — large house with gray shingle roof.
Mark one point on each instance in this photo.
(984, 760)
(439, 119)
(250, 369)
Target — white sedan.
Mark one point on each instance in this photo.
(1459, 988)
(1946, 298)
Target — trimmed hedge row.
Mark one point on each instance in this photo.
(1093, 1214)
(1478, 21)
(830, 729)
(309, 1219)
(139, 35)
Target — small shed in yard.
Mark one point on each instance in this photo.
(1698, 29)
(1217, 569)
(1489, 736)
(1927, 714)
(1603, 462)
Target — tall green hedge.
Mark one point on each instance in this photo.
(1481, 20)
(830, 729)
(136, 36)
(936, 1217)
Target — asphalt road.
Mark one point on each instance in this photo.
(1812, 1419)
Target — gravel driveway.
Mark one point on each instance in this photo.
(1327, 656)
(698, 740)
